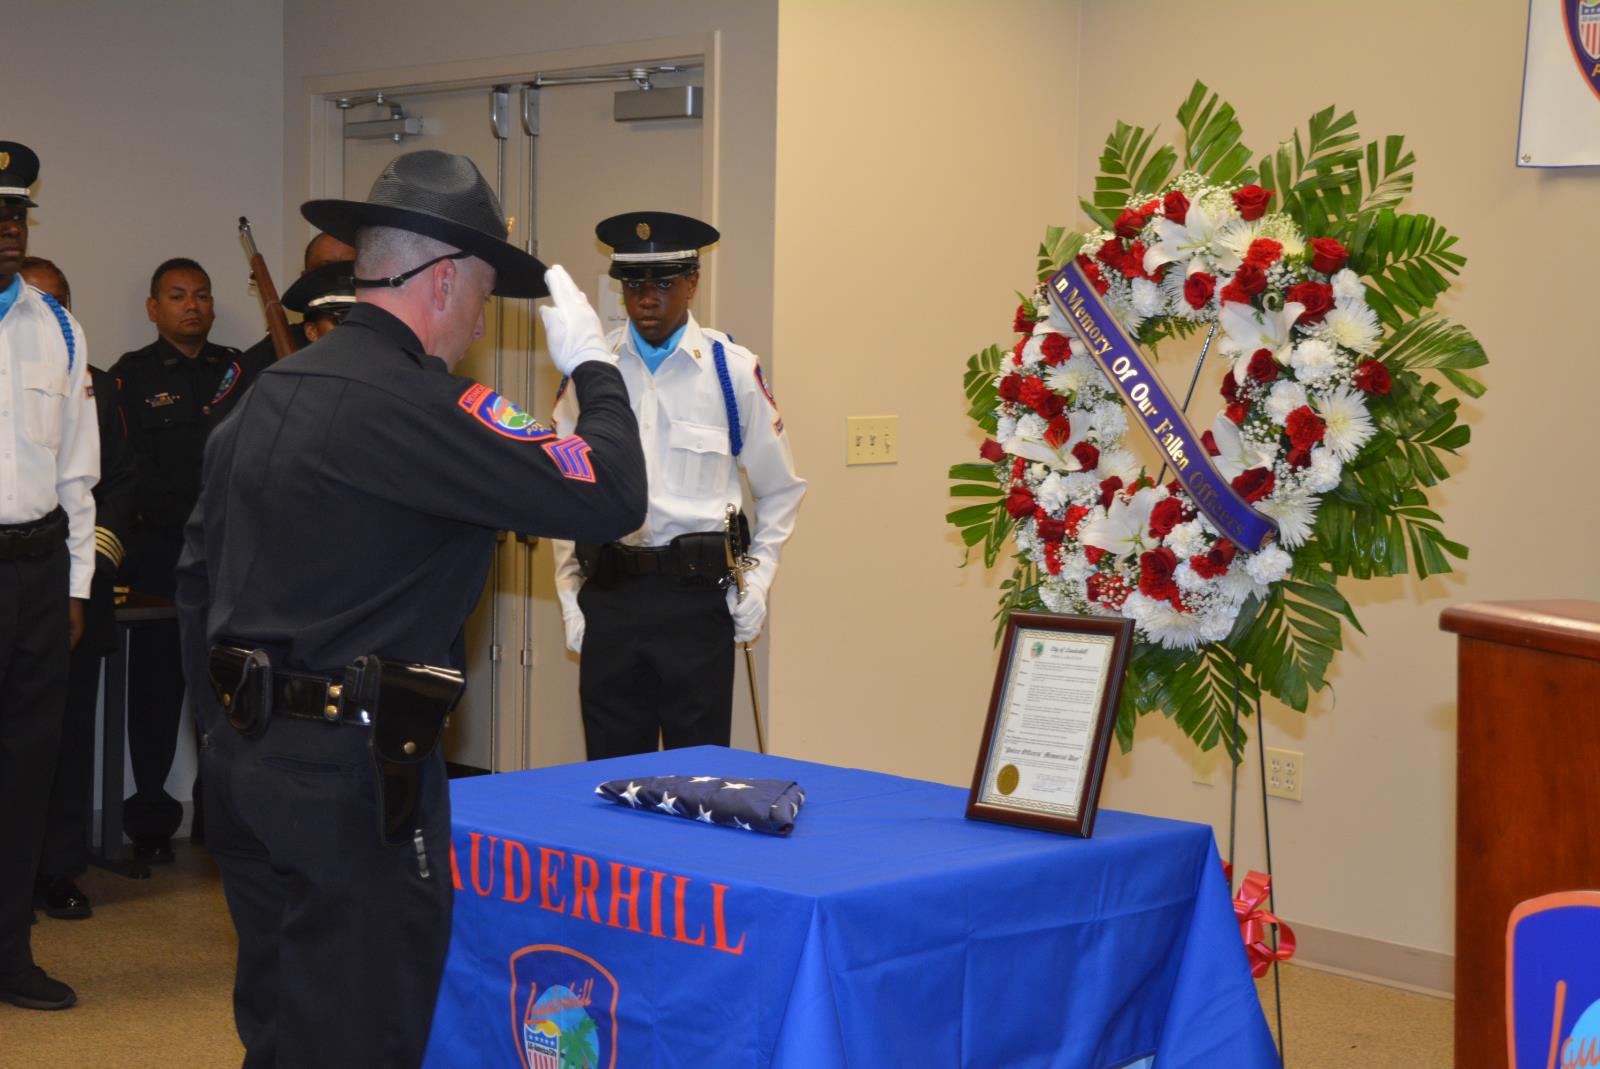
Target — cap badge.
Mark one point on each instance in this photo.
(5, 161)
(643, 230)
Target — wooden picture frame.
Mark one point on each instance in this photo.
(1051, 717)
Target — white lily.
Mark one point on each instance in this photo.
(1239, 452)
(1245, 329)
(1192, 242)
(1125, 528)
(1038, 450)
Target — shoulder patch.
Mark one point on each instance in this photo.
(761, 381)
(88, 389)
(501, 416)
(571, 456)
(230, 379)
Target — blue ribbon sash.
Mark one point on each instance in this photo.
(1163, 422)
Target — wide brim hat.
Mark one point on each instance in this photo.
(443, 196)
(19, 170)
(322, 290)
(654, 245)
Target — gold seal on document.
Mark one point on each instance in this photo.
(1007, 780)
(643, 230)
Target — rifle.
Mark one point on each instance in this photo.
(736, 538)
(283, 342)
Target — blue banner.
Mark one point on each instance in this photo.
(1162, 421)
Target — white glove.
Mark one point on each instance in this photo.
(572, 620)
(570, 324)
(748, 615)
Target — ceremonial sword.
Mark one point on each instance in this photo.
(738, 563)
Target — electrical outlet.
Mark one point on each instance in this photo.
(872, 440)
(1286, 771)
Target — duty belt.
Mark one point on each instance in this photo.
(696, 557)
(35, 538)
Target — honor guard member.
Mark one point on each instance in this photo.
(322, 250)
(344, 534)
(652, 614)
(65, 853)
(172, 393)
(49, 461)
(322, 296)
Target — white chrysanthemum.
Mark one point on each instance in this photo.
(1237, 236)
(1082, 487)
(1285, 396)
(1005, 427)
(1349, 424)
(1216, 626)
(1027, 538)
(1269, 565)
(1147, 300)
(1119, 462)
(1238, 452)
(1110, 421)
(1244, 330)
(1124, 529)
(1054, 596)
(1353, 326)
(1187, 578)
(1164, 624)
(1348, 287)
(1033, 350)
(1075, 567)
(1187, 539)
(1031, 426)
(1295, 509)
(1324, 472)
(1314, 360)
(1051, 494)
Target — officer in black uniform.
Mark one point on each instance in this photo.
(322, 250)
(323, 296)
(345, 529)
(172, 392)
(65, 854)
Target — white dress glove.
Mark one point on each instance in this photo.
(572, 620)
(570, 324)
(748, 615)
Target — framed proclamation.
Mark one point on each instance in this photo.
(1050, 721)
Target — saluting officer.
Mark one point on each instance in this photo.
(649, 613)
(173, 392)
(344, 534)
(49, 461)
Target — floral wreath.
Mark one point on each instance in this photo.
(1319, 295)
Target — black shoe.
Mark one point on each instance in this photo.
(36, 991)
(61, 899)
(153, 851)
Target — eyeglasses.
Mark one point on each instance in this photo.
(662, 285)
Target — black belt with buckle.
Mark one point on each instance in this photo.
(19, 541)
(696, 558)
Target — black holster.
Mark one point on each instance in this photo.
(242, 681)
(408, 704)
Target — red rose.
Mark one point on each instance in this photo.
(1305, 427)
(1233, 292)
(1110, 253)
(1093, 554)
(1237, 412)
(1054, 405)
(1150, 207)
(1129, 223)
(1213, 563)
(1373, 377)
(1317, 298)
(1155, 573)
(1252, 202)
(1011, 388)
(1255, 484)
(1263, 367)
(1230, 389)
(1023, 323)
(1058, 432)
(1056, 348)
(1175, 206)
(1327, 255)
(1198, 288)
(990, 450)
(1051, 530)
(1091, 271)
(1016, 351)
(1087, 454)
(1108, 490)
(1034, 393)
(1075, 515)
(1020, 503)
(1133, 261)
(1209, 440)
(1299, 457)
(1263, 252)
(1250, 278)
(1167, 514)
(1159, 273)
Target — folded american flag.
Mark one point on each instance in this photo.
(764, 805)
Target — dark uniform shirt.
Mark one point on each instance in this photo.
(170, 404)
(263, 355)
(113, 513)
(351, 505)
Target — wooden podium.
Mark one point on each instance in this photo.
(1528, 745)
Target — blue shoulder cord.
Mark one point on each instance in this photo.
(66, 327)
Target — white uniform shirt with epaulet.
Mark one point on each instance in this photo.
(49, 437)
(688, 453)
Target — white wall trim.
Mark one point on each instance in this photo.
(1428, 972)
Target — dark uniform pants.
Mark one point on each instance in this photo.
(155, 708)
(65, 851)
(34, 640)
(657, 662)
(342, 938)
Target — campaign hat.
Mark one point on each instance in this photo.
(323, 290)
(443, 196)
(654, 245)
(19, 170)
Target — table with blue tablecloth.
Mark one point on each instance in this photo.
(885, 931)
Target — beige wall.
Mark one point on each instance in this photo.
(157, 127)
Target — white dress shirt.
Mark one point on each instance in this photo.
(49, 436)
(688, 455)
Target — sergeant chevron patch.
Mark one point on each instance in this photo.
(571, 455)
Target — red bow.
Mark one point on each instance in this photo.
(1253, 921)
